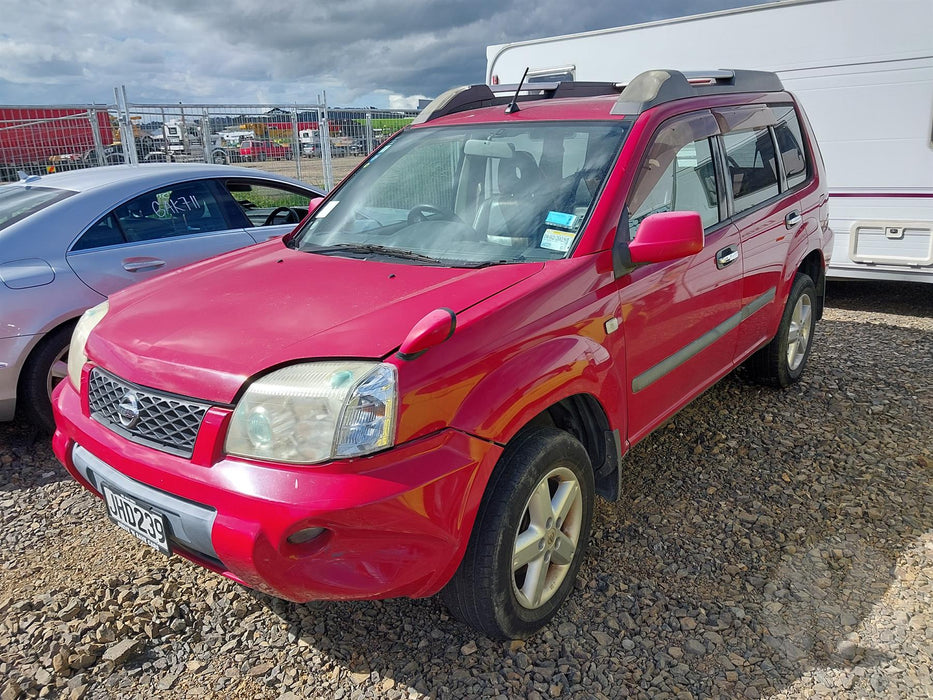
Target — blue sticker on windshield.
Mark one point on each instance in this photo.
(559, 218)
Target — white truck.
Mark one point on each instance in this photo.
(183, 143)
(863, 70)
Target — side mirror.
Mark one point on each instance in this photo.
(436, 327)
(312, 205)
(667, 236)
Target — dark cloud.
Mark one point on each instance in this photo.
(244, 50)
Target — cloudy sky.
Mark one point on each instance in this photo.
(383, 53)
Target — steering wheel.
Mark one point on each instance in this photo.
(423, 212)
(292, 217)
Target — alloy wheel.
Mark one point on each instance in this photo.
(547, 538)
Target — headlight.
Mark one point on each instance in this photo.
(315, 412)
(76, 356)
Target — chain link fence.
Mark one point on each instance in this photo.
(309, 142)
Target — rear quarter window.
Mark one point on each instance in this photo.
(790, 144)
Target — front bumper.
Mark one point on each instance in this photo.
(396, 523)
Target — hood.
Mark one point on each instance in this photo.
(202, 331)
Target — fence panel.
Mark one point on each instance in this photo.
(286, 139)
(39, 140)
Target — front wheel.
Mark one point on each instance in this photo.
(782, 361)
(45, 368)
(529, 537)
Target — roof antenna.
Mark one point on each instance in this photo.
(513, 105)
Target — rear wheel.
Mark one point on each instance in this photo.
(782, 361)
(529, 537)
(45, 368)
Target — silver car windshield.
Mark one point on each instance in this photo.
(470, 196)
(18, 202)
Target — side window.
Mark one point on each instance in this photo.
(678, 173)
(103, 233)
(179, 210)
(790, 144)
(266, 204)
(752, 167)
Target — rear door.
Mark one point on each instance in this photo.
(766, 213)
(680, 316)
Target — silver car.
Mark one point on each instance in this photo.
(69, 240)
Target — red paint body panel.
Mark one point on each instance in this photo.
(299, 305)
(399, 521)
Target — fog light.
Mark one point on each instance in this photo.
(305, 535)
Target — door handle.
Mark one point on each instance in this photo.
(142, 264)
(793, 219)
(726, 257)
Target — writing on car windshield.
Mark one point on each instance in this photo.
(470, 196)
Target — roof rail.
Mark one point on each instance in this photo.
(468, 97)
(646, 90)
(656, 87)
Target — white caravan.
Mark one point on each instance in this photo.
(863, 70)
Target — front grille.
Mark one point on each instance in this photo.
(164, 421)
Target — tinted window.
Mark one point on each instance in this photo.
(179, 210)
(105, 232)
(678, 173)
(790, 144)
(752, 167)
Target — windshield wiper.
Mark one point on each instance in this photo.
(373, 248)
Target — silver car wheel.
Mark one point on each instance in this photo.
(58, 371)
(798, 334)
(547, 538)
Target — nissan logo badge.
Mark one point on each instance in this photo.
(128, 409)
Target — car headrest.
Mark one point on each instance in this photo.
(518, 174)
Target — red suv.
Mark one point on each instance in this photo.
(423, 388)
(263, 149)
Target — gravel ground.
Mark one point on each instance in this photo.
(768, 544)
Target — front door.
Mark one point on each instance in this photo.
(680, 317)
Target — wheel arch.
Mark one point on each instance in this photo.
(41, 341)
(583, 417)
(570, 383)
(814, 266)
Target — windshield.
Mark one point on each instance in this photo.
(470, 196)
(17, 202)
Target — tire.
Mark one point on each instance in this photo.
(781, 362)
(486, 592)
(220, 158)
(44, 369)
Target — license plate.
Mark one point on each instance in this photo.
(137, 519)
